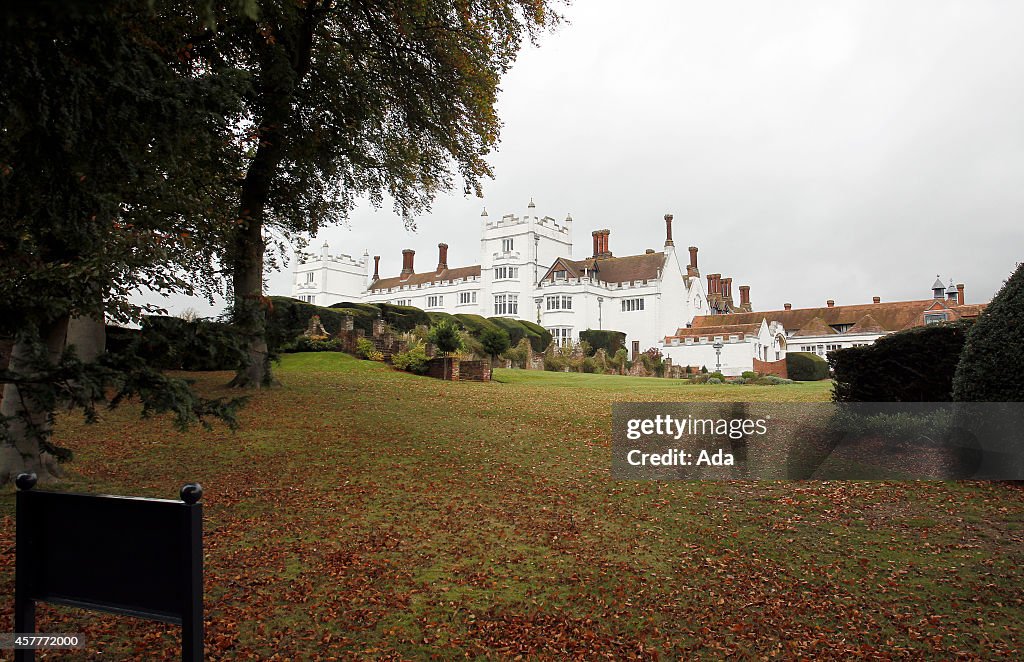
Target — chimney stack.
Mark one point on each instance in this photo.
(727, 288)
(596, 234)
(876, 299)
(442, 257)
(744, 295)
(960, 293)
(787, 306)
(668, 230)
(691, 269)
(376, 267)
(601, 243)
(407, 256)
(830, 303)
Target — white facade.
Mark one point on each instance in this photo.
(518, 276)
(739, 346)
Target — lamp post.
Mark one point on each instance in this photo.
(718, 355)
(600, 300)
(538, 301)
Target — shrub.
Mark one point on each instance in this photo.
(806, 367)
(739, 380)
(609, 341)
(445, 336)
(916, 365)
(749, 374)
(517, 354)
(992, 361)
(414, 359)
(716, 375)
(172, 343)
(308, 344)
(494, 341)
(713, 380)
(771, 380)
(365, 348)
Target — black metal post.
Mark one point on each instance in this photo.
(192, 649)
(24, 605)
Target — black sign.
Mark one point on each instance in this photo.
(124, 555)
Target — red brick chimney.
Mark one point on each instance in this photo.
(830, 303)
(596, 234)
(442, 257)
(376, 267)
(787, 306)
(876, 299)
(407, 256)
(744, 295)
(691, 270)
(960, 293)
(668, 230)
(727, 288)
(601, 243)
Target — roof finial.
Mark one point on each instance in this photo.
(531, 205)
(484, 213)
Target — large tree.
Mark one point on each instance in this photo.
(116, 157)
(355, 99)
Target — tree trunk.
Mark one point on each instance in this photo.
(88, 334)
(276, 90)
(28, 421)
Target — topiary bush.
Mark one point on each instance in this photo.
(307, 344)
(916, 365)
(172, 343)
(609, 341)
(806, 367)
(992, 360)
(446, 337)
(748, 374)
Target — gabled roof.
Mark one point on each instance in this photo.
(866, 324)
(648, 266)
(891, 316)
(815, 327)
(724, 330)
(424, 278)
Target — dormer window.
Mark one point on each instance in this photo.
(935, 318)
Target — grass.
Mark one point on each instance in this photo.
(362, 512)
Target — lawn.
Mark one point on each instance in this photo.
(361, 512)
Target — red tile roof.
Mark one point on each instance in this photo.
(724, 330)
(648, 266)
(890, 316)
(424, 278)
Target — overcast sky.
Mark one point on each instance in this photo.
(813, 150)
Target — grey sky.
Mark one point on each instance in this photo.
(812, 150)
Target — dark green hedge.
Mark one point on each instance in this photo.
(916, 365)
(171, 343)
(290, 317)
(992, 363)
(609, 341)
(806, 367)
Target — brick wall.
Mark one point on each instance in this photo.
(777, 368)
(441, 368)
(475, 371)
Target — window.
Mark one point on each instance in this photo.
(557, 302)
(829, 348)
(506, 245)
(629, 305)
(504, 273)
(734, 338)
(934, 318)
(403, 302)
(435, 301)
(689, 341)
(561, 336)
(309, 277)
(467, 297)
(506, 304)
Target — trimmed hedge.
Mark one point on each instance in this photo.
(806, 367)
(916, 365)
(609, 341)
(992, 361)
(289, 318)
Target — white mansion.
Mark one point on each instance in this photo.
(526, 271)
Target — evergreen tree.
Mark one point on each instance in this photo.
(992, 361)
